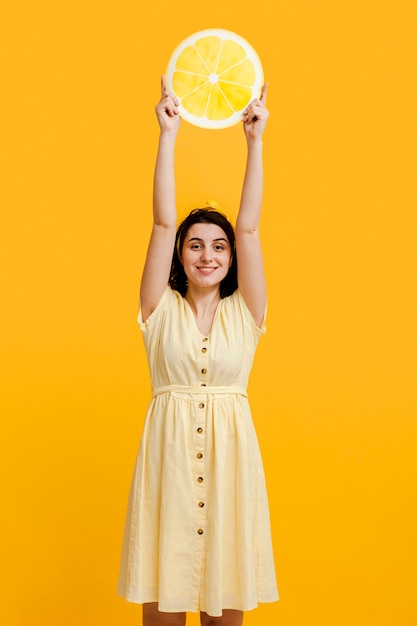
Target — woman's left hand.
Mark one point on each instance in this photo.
(255, 116)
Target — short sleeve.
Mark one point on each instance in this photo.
(163, 304)
(246, 314)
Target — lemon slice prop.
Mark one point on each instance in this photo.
(215, 74)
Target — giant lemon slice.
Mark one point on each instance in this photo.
(215, 74)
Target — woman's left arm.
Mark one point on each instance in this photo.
(251, 278)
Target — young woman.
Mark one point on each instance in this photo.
(197, 532)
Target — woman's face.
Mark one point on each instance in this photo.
(206, 255)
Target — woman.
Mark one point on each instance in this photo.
(197, 532)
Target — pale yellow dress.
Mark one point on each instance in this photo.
(197, 533)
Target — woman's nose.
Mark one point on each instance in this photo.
(206, 255)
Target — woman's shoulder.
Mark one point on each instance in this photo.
(236, 302)
(169, 298)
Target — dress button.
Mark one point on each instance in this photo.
(199, 455)
(205, 339)
(201, 405)
(201, 504)
(204, 371)
(200, 479)
(200, 531)
(203, 349)
(203, 385)
(199, 430)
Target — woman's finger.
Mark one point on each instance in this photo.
(163, 85)
(256, 110)
(167, 94)
(263, 93)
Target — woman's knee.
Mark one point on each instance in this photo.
(153, 617)
(230, 617)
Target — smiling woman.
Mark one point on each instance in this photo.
(208, 247)
(206, 251)
(197, 533)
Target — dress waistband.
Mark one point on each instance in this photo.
(200, 389)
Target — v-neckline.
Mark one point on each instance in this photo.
(195, 319)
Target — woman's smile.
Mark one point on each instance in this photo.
(206, 269)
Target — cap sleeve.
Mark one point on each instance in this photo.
(247, 315)
(165, 301)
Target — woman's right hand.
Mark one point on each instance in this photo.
(167, 110)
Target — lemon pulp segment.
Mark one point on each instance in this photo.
(209, 50)
(191, 61)
(196, 102)
(241, 74)
(231, 54)
(236, 95)
(185, 83)
(218, 107)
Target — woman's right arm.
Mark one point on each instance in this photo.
(161, 244)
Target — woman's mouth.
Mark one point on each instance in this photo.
(206, 269)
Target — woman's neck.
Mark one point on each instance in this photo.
(204, 306)
(202, 301)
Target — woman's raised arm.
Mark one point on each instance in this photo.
(161, 244)
(251, 278)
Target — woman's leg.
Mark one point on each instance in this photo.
(230, 617)
(153, 617)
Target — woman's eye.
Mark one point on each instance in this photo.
(219, 247)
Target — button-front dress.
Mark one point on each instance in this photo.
(197, 533)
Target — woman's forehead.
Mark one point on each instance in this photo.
(205, 231)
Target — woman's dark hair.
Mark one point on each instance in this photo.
(177, 277)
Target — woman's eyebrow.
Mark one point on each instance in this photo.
(199, 239)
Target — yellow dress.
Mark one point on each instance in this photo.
(197, 534)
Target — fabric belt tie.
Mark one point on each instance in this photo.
(200, 389)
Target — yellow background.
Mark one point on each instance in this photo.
(333, 391)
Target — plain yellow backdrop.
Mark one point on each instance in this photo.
(333, 390)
